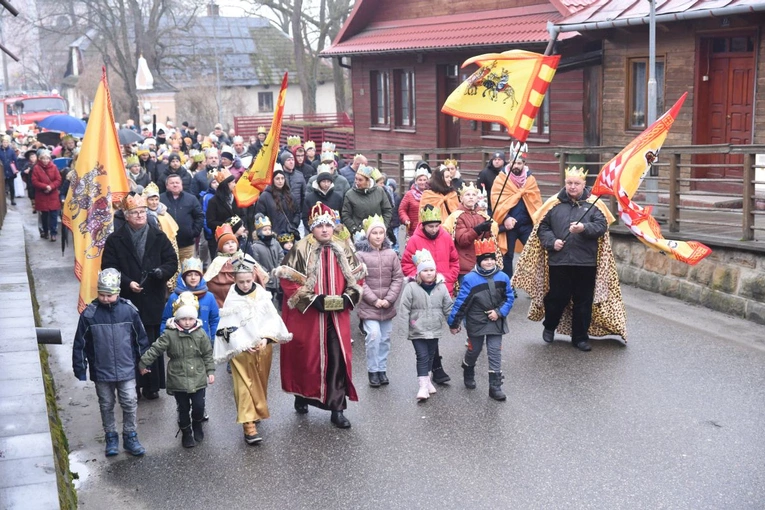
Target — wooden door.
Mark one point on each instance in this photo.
(725, 107)
(448, 80)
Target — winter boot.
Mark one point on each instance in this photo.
(112, 444)
(439, 376)
(339, 420)
(495, 386)
(468, 375)
(251, 435)
(131, 444)
(423, 394)
(374, 379)
(187, 440)
(431, 388)
(199, 434)
(383, 378)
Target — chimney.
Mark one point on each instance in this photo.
(213, 9)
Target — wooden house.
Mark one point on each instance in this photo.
(714, 50)
(405, 58)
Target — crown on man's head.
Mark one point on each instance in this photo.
(429, 214)
(574, 171)
(321, 214)
(292, 141)
(261, 129)
(310, 144)
(521, 149)
(485, 247)
(132, 161)
(133, 201)
(468, 186)
(327, 147)
(221, 175)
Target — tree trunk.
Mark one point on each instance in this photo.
(338, 75)
(307, 85)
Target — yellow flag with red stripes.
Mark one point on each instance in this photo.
(98, 181)
(507, 88)
(259, 175)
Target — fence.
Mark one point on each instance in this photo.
(248, 126)
(3, 203)
(732, 210)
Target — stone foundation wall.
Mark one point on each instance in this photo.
(729, 281)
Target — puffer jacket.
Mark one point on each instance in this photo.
(331, 198)
(109, 341)
(579, 249)
(359, 204)
(441, 249)
(479, 294)
(269, 256)
(465, 237)
(383, 280)
(209, 313)
(297, 184)
(191, 358)
(425, 313)
(341, 185)
(409, 210)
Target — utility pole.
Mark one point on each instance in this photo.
(213, 12)
(652, 185)
(6, 84)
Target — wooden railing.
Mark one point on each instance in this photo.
(724, 210)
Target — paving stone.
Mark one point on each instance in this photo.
(27, 471)
(24, 423)
(25, 446)
(38, 496)
(31, 386)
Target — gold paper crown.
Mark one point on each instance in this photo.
(151, 190)
(327, 156)
(199, 157)
(310, 144)
(485, 247)
(192, 264)
(262, 129)
(574, 171)
(133, 201)
(373, 221)
(262, 221)
(421, 256)
(285, 238)
(243, 264)
(469, 186)
(143, 149)
(233, 221)
(452, 162)
(293, 141)
(430, 214)
(221, 175)
(185, 298)
(376, 174)
(327, 147)
(131, 161)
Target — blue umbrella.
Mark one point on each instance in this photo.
(64, 123)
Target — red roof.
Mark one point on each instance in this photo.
(519, 25)
(603, 12)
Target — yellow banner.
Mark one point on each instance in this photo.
(98, 180)
(507, 88)
(261, 172)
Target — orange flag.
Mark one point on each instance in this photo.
(98, 181)
(261, 171)
(508, 88)
(621, 178)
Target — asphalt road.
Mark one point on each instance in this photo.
(673, 420)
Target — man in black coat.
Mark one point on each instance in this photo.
(187, 213)
(146, 260)
(322, 190)
(173, 167)
(486, 178)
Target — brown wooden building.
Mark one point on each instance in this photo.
(405, 58)
(714, 50)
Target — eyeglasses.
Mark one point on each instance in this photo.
(141, 212)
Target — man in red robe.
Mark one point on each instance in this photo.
(319, 278)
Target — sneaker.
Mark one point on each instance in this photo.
(112, 444)
(131, 444)
(251, 435)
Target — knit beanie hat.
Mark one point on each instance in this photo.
(424, 260)
(286, 155)
(109, 281)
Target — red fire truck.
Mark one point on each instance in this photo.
(23, 109)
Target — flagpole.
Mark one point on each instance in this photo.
(507, 176)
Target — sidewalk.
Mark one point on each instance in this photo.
(27, 467)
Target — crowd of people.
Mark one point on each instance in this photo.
(191, 275)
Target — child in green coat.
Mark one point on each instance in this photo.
(190, 367)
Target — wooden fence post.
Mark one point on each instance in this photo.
(748, 206)
(674, 192)
(562, 166)
(401, 176)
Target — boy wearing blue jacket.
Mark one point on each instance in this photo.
(484, 301)
(191, 280)
(109, 341)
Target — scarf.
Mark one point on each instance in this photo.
(428, 287)
(416, 192)
(483, 272)
(139, 240)
(518, 180)
(139, 175)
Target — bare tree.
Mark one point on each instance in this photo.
(312, 27)
(127, 29)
